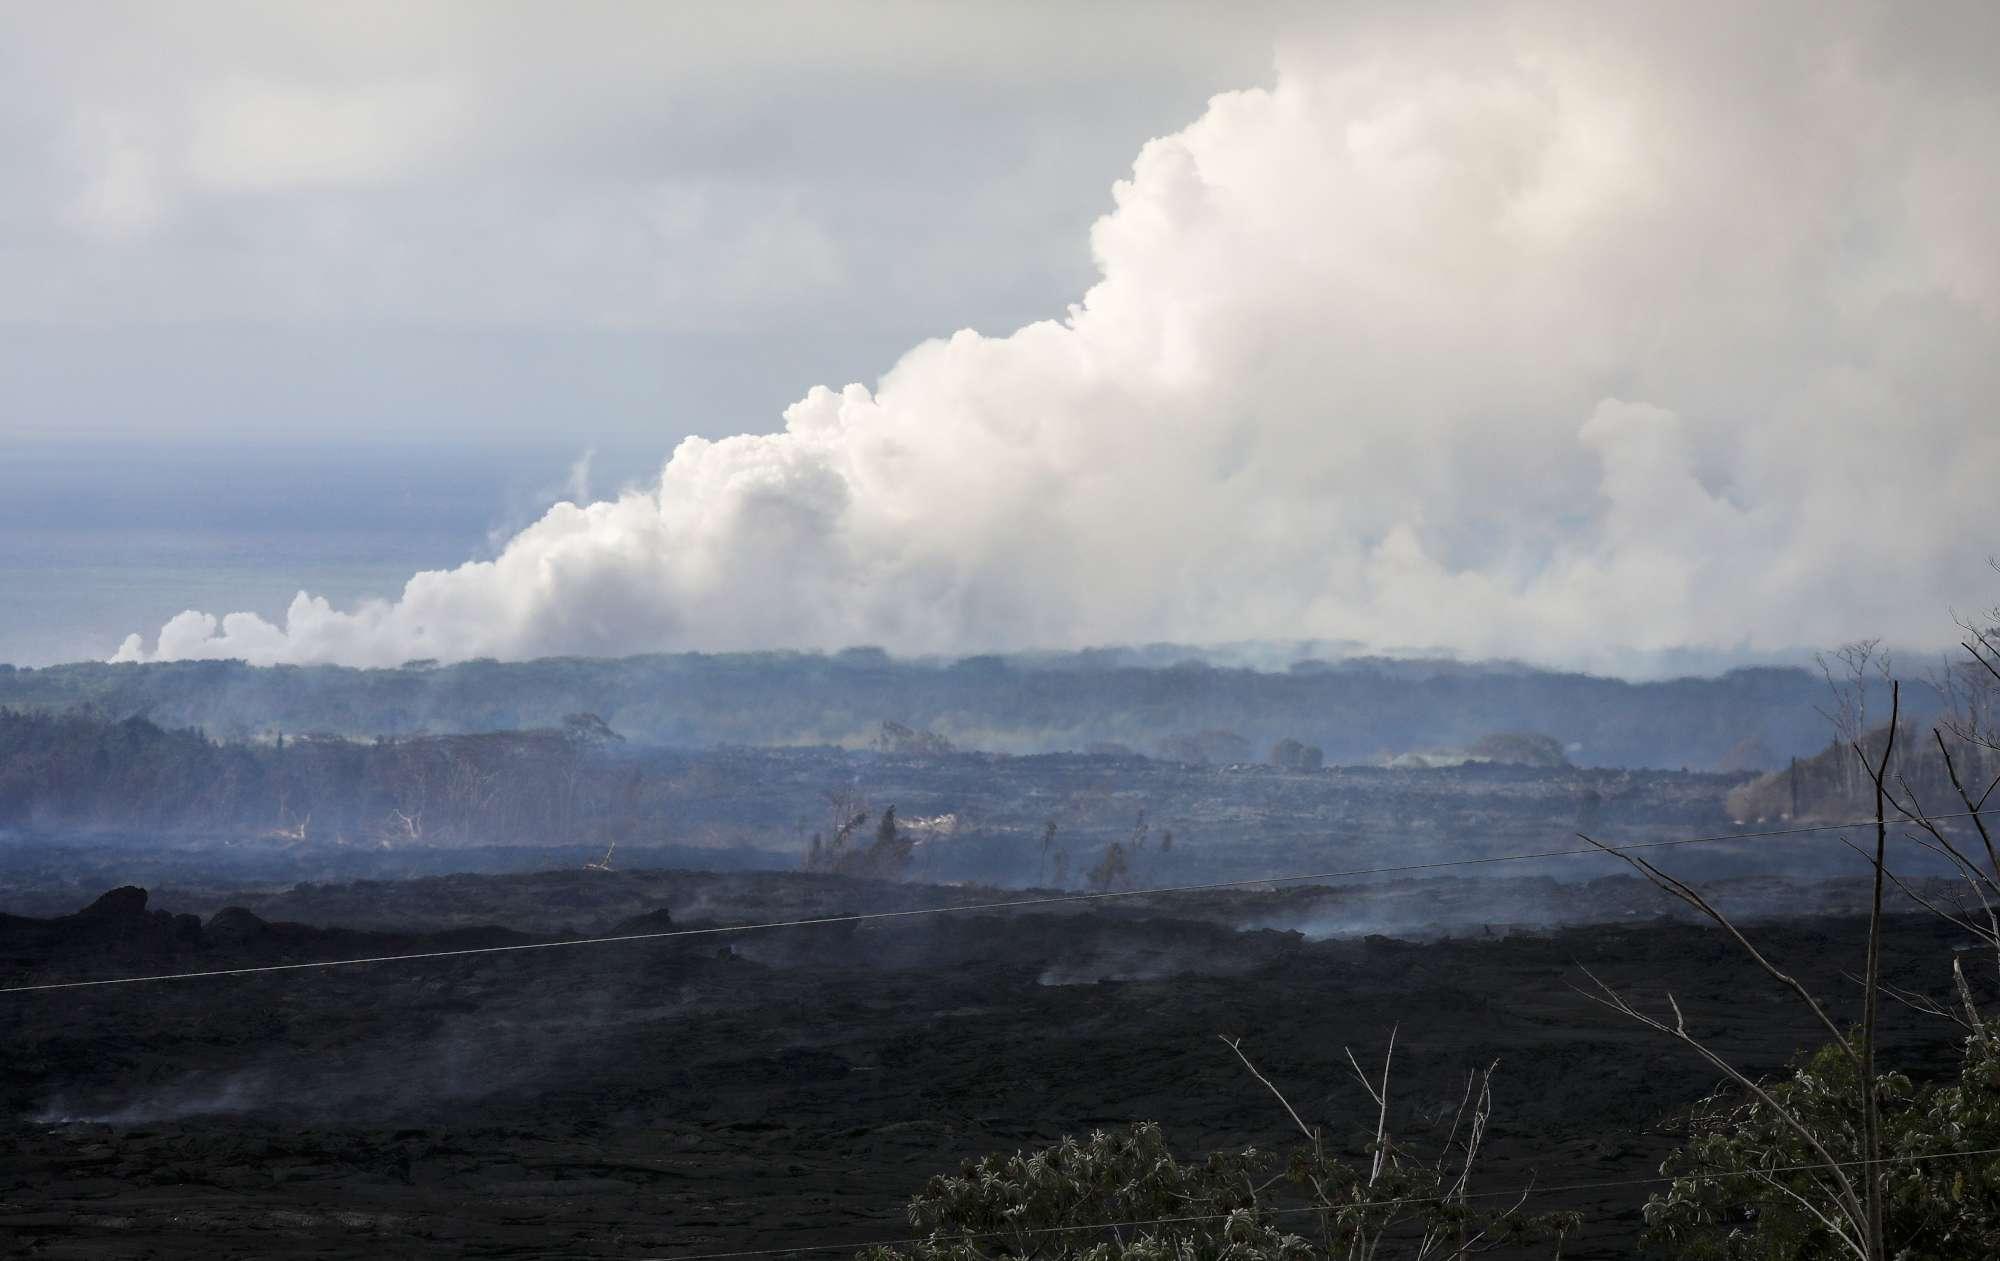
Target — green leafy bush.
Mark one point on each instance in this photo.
(1125, 1197)
(1730, 1201)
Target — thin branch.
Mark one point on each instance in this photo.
(1836, 1228)
(1976, 655)
(1941, 845)
(1470, 1246)
(1978, 820)
(1979, 880)
(1850, 1200)
(1689, 895)
(1236, 1045)
(1360, 1076)
(1471, 1078)
(1923, 1004)
(1871, 1116)
(1482, 1113)
(1920, 899)
(1965, 995)
(1382, 1116)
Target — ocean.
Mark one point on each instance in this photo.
(101, 539)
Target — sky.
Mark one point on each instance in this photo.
(1592, 335)
(552, 226)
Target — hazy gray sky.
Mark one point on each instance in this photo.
(1587, 333)
(616, 222)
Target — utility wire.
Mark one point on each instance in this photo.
(1517, 1192)
(747, 1255)
(1004, 904)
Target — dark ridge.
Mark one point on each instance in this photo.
(1354, 710)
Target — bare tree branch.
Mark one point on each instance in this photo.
(1850, 1202)
(1914, 896)
(1871, 1116)
(1236, 1045)
(1965, 996)
(1978, 820)
(1693, 898)
(1980, 657)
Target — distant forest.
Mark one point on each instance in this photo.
(76, 771)
(1354, 712)
(1061, 820)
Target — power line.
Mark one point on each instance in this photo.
(1190, 1219)
(1004, 904)
(746, 1255)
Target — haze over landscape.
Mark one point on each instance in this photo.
(1110, 632)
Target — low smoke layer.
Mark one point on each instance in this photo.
(1572, 335)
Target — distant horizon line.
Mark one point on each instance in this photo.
(1259, 656)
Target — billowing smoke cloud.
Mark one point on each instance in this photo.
(1560, 339)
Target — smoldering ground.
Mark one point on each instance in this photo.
(634, 1098)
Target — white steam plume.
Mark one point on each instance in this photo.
(1552, 339)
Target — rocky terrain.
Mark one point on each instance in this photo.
(974, 817)
(793, 1086)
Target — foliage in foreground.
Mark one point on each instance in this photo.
(1727, 1203)
(1125, 1197)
